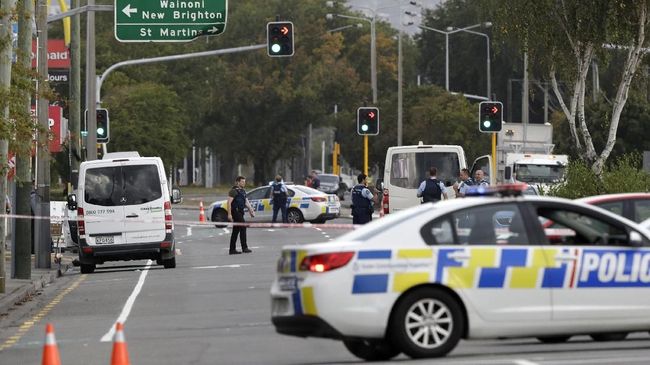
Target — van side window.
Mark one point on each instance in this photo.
(141, 184)
(103, 186)
(409, 169)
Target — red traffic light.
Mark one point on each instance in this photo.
(371, 115)
(494, 109)
(284, 30)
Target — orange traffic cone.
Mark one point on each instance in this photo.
(50, 351)
(201, 212)
(120, 354)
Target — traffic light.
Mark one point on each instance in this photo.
(368, 121)
(279, 37)
(490, 116)
(102, 126)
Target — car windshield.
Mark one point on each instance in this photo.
(409, 169)
(532, 173)
(307, 190)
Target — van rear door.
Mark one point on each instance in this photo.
(103, 209)
(144, 201)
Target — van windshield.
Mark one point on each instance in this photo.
(122, 185)
(409, 169)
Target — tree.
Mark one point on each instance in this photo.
(148, 118)
(562, 39)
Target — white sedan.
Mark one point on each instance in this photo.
(303, 204)
(418, 281)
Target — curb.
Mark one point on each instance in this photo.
(24, 291)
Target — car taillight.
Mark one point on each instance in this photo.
(319, 199)
(384, 202)
(81, 225)
(326, 262)
(168, 217)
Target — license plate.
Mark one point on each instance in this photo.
(334, 210)
(288, 283)
(103, 240)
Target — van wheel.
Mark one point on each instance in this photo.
(426, 323)
(553, 339)
(87, 268)
(219, 215)
(603, 337)
(371, 350)
(170, 263)
(295, 216)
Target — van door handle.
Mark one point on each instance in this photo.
(132, 215)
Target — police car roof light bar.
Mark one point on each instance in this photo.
(499, 190)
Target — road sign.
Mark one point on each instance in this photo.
(168, 20)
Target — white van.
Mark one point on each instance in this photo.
(123, 211)
(407, 166)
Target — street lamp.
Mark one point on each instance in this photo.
(358, 25)
(452, 30)
(487, 42)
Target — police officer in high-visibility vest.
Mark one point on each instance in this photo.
(362, 201)
(432, 189)
(279, 194)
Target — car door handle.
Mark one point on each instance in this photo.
(132, 215)
(458, 255)
(566, 257)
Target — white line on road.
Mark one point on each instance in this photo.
(326, 236)
(318, 229)
(189, 231)
(233, 266)
(225, 230)
(524, 362)
(129, 303)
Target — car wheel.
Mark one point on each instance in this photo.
(295, 216)
(371, 350)
(603, 337)
(219, 215)
(170, 263)
(426, 323)
(87, 268)
(553, 339)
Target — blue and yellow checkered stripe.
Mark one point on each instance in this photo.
(483, 268)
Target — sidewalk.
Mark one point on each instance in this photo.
(19, 290)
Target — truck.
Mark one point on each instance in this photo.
(525, 154)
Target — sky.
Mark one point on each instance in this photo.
(393, 11)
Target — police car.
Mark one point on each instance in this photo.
(303, 203)
(418, 281)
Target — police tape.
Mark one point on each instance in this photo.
(60, 220)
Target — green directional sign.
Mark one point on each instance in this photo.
(168, 20)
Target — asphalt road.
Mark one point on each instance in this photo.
(215, 309)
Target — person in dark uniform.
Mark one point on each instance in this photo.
(315, 181)
(279, 195)
(362, 199)
(236, 203)
(432, 189)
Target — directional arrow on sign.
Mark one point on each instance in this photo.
(128, 10)
(213, 30)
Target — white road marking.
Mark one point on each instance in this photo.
(232, 266)
(323, 233)
(129, 304)
(225, 230)
(189, 231)
(524, 362)
(270, 230)
(327, 236)
(318, 229)
(179, 252)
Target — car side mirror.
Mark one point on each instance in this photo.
(508, 172)
(72, 202)
(380, 184)
(636, 240)
(177, 196)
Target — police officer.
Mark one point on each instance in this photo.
(432, 189)
(236, 203)
(465, 182)
(315, 181)
(279, 195)
(479, 178)
(362, 199)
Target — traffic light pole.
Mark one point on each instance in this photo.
(493, 175)
(365, 154)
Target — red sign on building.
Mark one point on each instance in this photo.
(58, 55)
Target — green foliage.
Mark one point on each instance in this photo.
(622, 176)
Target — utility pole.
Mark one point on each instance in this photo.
(6, 9)
(75, 96)
(91, 98)
(42, 237)
(21, 251)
